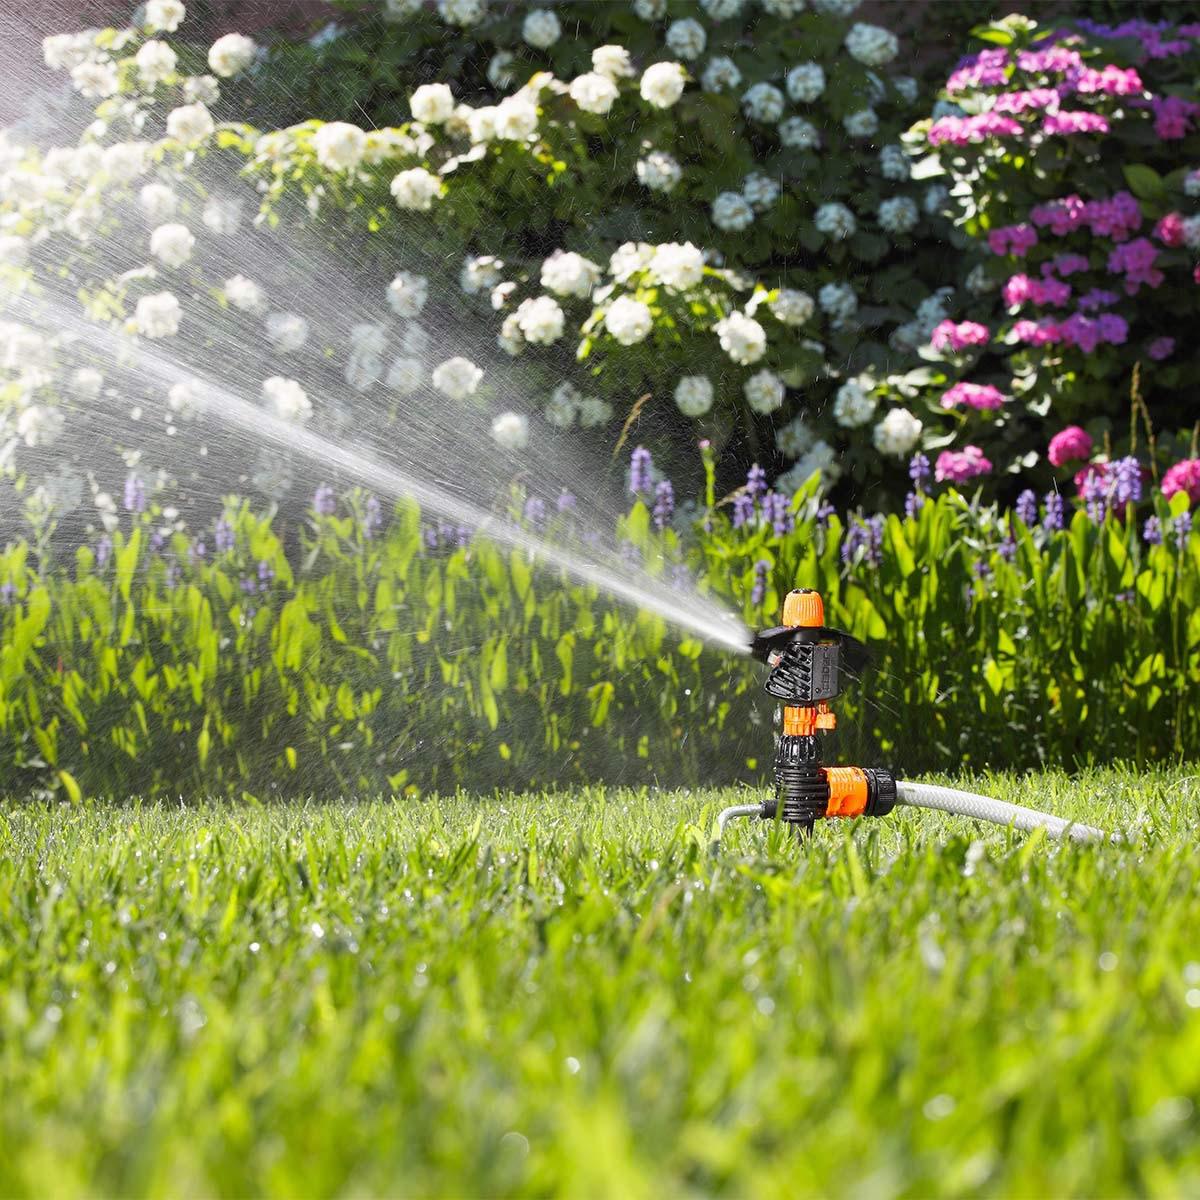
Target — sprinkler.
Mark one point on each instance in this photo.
(807, 662)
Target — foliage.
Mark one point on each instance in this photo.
(565, 995)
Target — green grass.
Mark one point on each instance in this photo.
(567, 994)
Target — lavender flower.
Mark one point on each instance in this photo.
(913, 504)
(223, 537)
(777, 510)
(197, 550)
(372, 517)
(1027, 508)
(681, 578)
(157, 540)
(103, 552)
(1052, 520)
(756, 481)
(1126, 486)
(664, 504)
(640, 466)
(981, 568)
(8, 593)
(266, 575)
(324, 502)
(1152, 531)
(824, 512)
(431, 537)
(173, 573)
(866, 536)
(762, 569)
(631, 556)
(135, 494)
(918, 469)
(1007, 548)
(535, 510)
(1094, 495)
(743, 509)
(1182, 526)
(566, 501)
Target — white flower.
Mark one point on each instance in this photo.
(463, 13)
(742, 338)
(799, 134)
(806, 82)
(540, 320)
(662, 84)
(721, 74)
(760, 191)
(287, 331)
(694, 395)
(481, 124)
(650, 10)
(273, 476)
(792, 306)
(287, 399)
(164, 16)
(628, 320)
(871, 45)
(835, 221)
(795, 438)
(677, 266)
(231, 54)
(183, 400)
(14, 250)
(541, 29)
(719, 10)
(764, 103)
(339, 146)
(416, 189)
(39, 425)
(936, 199)
(861, 124)
(172, 244)
(407, 293)
(894, 164)
(854, 405)
(480, 274)
(87, 382)
(764, 392)
(593, 93)
(516, 118)
(158, 315)
(979, 282)
(907, 87)
(125, 161)
(594, 412)
(158, 201)
(510, 339)
(414, 341)
(658, 171)
(190, 123)
(947, 108)
(612, 61)
(405, 375)
(731, 213)
(363, 370)
(822, 457)
(366, 337)
(457, 378)
(499, 72)
(838, 301)
(561, 408)
(384, 144)
(897, 433)
(96, 80)
(784, 8)
(933, 309)
(907, 337)
(62, 51)
(898, 214)
(202, 89)
(155, 62)
(244, 294)
(432, 103)
(568, 274)
(222, 215)
(686, 38)
(629, 258)
(510, 430)
(400, 10)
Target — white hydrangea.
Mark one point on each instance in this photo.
(158, 315)
(662, 84)
(894, 163)
(763, 103)
(405, 375)
(677, 266)
(562, 407)
(784, 8)
(287, 399)
(854, 405)
(871, 44)
(363, 370)
(416, 189)
(540, 320)
(457, 378)
(339, 146)
(62, 51)
(244, 294)
(731, 213)
(87, 382)
(155, 62)
(407, 293)
(799, 134)
(795, 438)
(510, 430)
(158, 201)
(463, 13)
(541, 29)
(907, 87)
(907, 337)
(861, 124)
(934, 309)
(222, 215)
(96, 80)
(806, 82)
(201, 89)
(979, 282)
(593, 93)
(566, 273)
(395, 11)
(792, 306)
(594, 412)
(650, 10)
(897, 433)
(190, 123)
(686, 38)
(720, 10)
(821, 457)
(516, 118)
(898, 214)
(694, 395)
(480, 274)
(500, 72)
(231, 54)
(742, 338)
(936, 200)
(760, 191)
(163, 16)
(835, 221)
(658, 171)
(612, 61)
(39, 425)
(764, 392)
(183, 400)
(838, 301)
(720, 74)
(14, 250)
(286, 331)
(628, 320)
(125, 161)
(432, 103)
(629, 258)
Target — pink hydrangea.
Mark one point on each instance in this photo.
(988, 68)
(1169, 229)
(1019, 102)
(1173, 116)
(1184, 476)
(1070, 445)
(959, 466)
(950, 336)
(1065, 264)
(1111, 80)
(1013, 239)
(1053, 60)
(1160, 348)
(1135, 260)
(1021, 288)
(1097, 298)
(1036, 333)
(973, 395)
(1074, 122)
(962, 131)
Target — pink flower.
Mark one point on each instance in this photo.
(1012, 239)
(1169, 229)
(973, 395)
(1065, 264)
(1184, 476)
(1111, 80)
(949, 336)
(1196, 273)
(988, 68)
(1036, 333)
(960, 131)
(1020, 288)
(1136, 260)
(1173, 116)
(958, 467)
(1019, 102)
(1070, 445)
(1097, 298)
(1074, 122)
(1054, 60)
(1161, 348)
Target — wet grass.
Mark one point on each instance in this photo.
(568, 995)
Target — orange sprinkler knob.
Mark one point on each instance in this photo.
(803, 608)
(848, 791)
(825, 719)
(799, 720)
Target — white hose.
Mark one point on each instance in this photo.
(984, 808)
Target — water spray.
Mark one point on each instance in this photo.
(807, 662)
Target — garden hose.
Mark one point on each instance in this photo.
(806, 657)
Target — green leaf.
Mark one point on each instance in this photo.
(1144, 181)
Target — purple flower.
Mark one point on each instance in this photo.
(223, 537)
(1152, 532)
(743, 509)
(866, 536)
(157, 540)
(372, 517)
(1182, 526)
(631, 556)
(777, 509)
(431, 537)
(1027, 508)
(1007, 548)
(681, 578)
(761, 570)
(640, 466)
(249, 586)
(756, 481)
(1126, 485)
(566, 501)
(918, 468)
(197, 551)
(8, 592)
(824, 512)
(324, 502)
(173, 573)
(913, 503)
(135, 494)
(1093, 493)
(1053, 518)
(266, 575)
(103, 552)
(664, 504)
(981, 568)
(535, 510)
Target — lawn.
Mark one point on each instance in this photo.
(567, 994)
